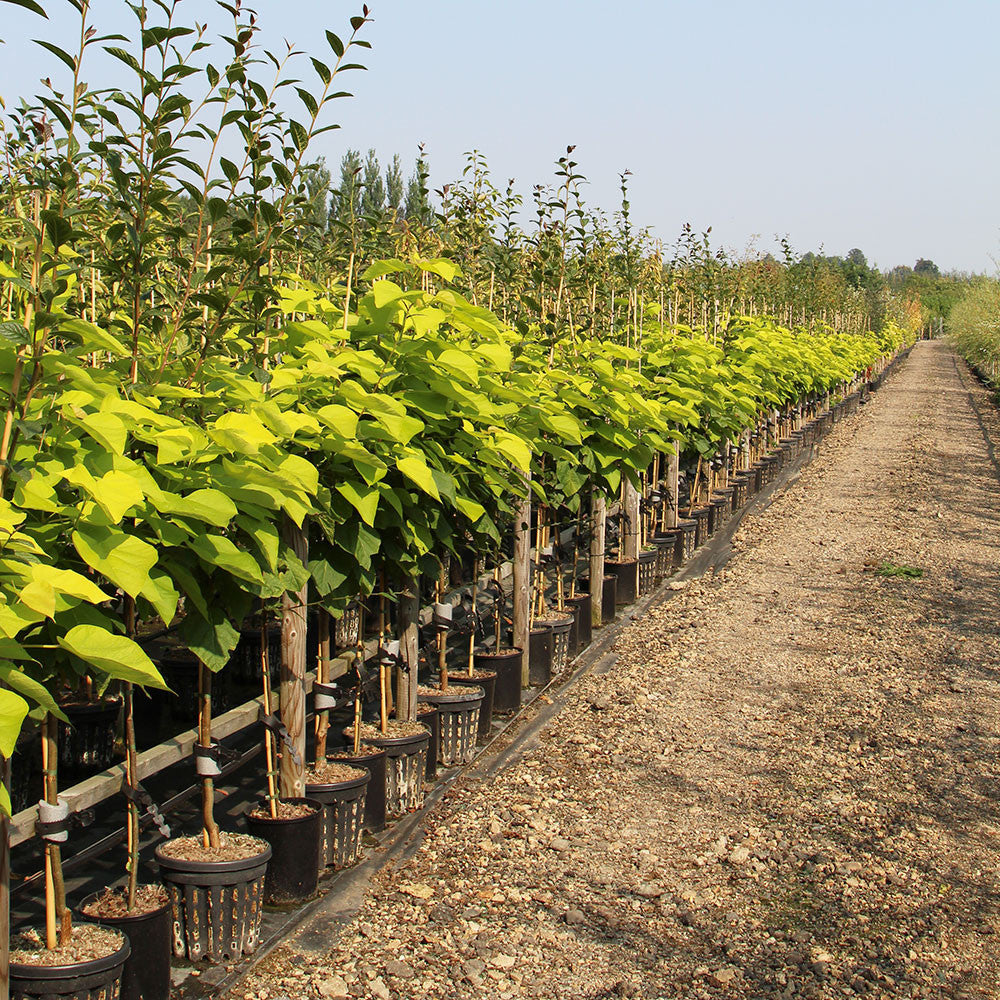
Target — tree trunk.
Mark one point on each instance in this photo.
(673, 489)
(522, 578)
(409, 649)
(598, 510)
(293, 670)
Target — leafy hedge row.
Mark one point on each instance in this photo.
(392, 434)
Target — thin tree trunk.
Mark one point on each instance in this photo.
(210, 833)
(293, 669)
(522, 577)
(409, 648)
(598, 512)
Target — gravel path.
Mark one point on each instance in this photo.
(785, 786)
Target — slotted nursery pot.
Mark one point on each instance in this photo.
(216, 905)
(560, 629)
(146, 975)
(293, 871)
(99, 979)
(647, 571)
(405, 767)
(427, 715)
(507, 667)
(373, 760)
(487, 681)
(458, 718)
(343, 824)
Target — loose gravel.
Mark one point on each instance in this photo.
(784, 787)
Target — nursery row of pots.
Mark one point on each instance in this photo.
(212, 906)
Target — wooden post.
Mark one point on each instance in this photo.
(673, 491)
(293, 669)
(598, 510)
(409, 649)
(522, 577)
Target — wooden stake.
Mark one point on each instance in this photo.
(472, 631)
(499, 608)
(382, 706)
(210, 831)
(269, 755)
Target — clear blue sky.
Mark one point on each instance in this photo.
(870, 124)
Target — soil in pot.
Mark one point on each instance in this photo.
(88, 967)
(506, 664)
(487, 680)
(148, 927)
(458, 717)
(428, 716)
(373, 759)
(342, 789)
(216, 894)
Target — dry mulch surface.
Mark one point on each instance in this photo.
(87, 943)
(232, 847)
(785, 786)
(285, 810)
(332, 773)
(113, 903)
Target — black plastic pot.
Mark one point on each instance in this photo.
(146, 975)
(580, 634)
(647, 571)
(405, 766)
(458, 714)
(627, 575)
(375, 793)
(609, 598)
(688, 526)
(99, 979)
(216, 905)
(666, 551)
(293, 871)
(87, 744)
(700, 516)
(560, 629)
(739, 491)
(487, 680)
(343, 818)
(428, 716)
(718, 510)
(539, 656)
(507, 689)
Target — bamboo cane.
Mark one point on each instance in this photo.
(472, 631)
(272, 764)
